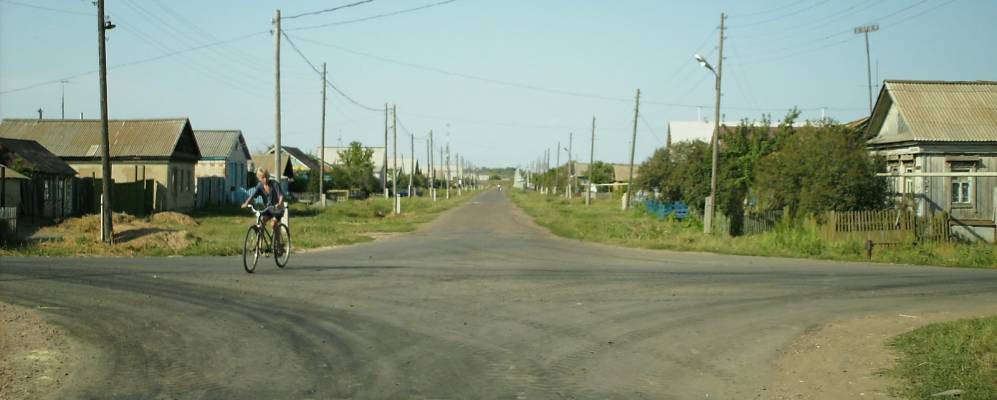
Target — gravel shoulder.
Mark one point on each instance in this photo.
(36, 357)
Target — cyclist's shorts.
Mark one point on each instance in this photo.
(271, 213)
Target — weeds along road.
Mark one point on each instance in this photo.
(479, 304)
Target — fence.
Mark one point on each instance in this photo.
(678, 209)
(135, 198)
(886, 226)
(211, 191)
(759, 222)
(8, 223)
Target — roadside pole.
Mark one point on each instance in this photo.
(107, 229)
(633, 147)
(411, 173)
(448, 171)
(432, 166)
(394, 161)
(277, 148)
(571, 170)
(321, 169)
(557, 168)
(588, 192)
(384, 164)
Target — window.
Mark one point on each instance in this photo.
(962, 190)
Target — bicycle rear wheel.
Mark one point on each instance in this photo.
(282, 245)
(251, 249)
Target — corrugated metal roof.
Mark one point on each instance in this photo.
(11, 174)
(81, 138)
(305, 159)
(30, 157)
(219, 143)
(267, 161)
(938, 111)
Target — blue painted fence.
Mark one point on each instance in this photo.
(679, 209)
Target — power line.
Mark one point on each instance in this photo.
(136, 62)
(327, 81)
(789, 14)
(48, 8)
(327, 10)
(389, 14)
(771, 10)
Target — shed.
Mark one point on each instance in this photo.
(48, 190)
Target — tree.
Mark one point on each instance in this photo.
(819, 169)
(356, 171)
(679, 172)
(600, 172)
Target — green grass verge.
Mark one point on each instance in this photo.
(953, 355)
(220, 231)
(604, 222)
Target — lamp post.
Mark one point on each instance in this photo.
(718, 73)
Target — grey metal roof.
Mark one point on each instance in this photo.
(29, 157)
(267, 161)
(308, 161)
(939, 111)
(218, 144)
(151, 138)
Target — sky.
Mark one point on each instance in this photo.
(501, 81)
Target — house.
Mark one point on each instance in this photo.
(161, 150)
(48, 190)
(301, 162)
(939, 140)
(10, 186)
(266, 161)
(224, 165)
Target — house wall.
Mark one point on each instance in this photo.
(12, 192)
(174, 180)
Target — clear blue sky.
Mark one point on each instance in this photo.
(546, 66)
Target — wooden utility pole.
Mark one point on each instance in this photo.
(710, 206)
(107, 229)
(557, 168)
(321, 169)
(449, 176)
(460, 175)
(588, 191)
(394, 161)
(633, 147)
(432, 166)
(384, 164)
(442, 171)
(276, 148)
(864, 30)
(571, 170)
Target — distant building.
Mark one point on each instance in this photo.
(225, 156)
(45, 187)
(162, 150)
(301, 162)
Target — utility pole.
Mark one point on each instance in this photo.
(710, 205)
(460, 175)
(557, 167)
(588, 192)
(384, 165)
(107, 229)
(411, 174)
(864, 30)
(277, 148)
(442, 171)
(394, 161)
(633, 148)
(571, 170)
(546, 171)
(64, 82)
(321, 169)
(448, 171)
(432, 166)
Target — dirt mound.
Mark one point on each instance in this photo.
(172, 218)
(173, 240)
(91, 223)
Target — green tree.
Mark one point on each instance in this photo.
(601, 172)
(356, 171)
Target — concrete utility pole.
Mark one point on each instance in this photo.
(107, 229)
(864, 30)
(276, 56)
(557, 167)
(588, 192)
(411, 174)
(321, 170)
(444, 177)
(432, 167)
(571, 169)
(394, 161)
(384, 165)
(633, 148)
(546, 171)
(710, 205)
(64, 82)
(460, 175)
(448, 171)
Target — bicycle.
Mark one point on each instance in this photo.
(259, 241)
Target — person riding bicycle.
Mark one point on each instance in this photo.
(269, 191)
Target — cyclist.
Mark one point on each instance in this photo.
(273, 199)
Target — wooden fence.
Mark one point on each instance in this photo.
(8, 223)
(885, 226)
(135, 198)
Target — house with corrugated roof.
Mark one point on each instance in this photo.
(162, 150)
(939, 139)
(46, 187)
(223, 167)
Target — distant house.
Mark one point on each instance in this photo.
(945, 128)
(301, 162)
(10, 186)
(224, 156)
(162, 150)
(48, 190)
(266, 161)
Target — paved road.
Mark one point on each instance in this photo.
(479, 304)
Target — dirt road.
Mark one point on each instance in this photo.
(480, 304)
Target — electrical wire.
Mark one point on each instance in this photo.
(327, 81)
(57, 10)
(389, 14)
(326, 10)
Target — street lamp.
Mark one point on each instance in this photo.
(718, 73)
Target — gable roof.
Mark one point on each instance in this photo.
(11, 174)
(308, 161)
(129, 139)
(30, 157)
(938, 111)
(218, 144)
(267, 161)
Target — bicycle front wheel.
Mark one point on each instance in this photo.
(282, 245)
(251, 249)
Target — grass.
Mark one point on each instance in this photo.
(220, 231)
(604, 222)
(953, 355)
